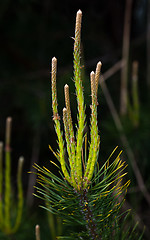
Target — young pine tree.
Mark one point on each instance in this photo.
(87, 196)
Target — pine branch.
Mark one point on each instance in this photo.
(85, 193)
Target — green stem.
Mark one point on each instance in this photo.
(71, 142)
(67, 137)
(80, 97)
(94, 145)
(20, 195)
(56, 119)
(7, 199)
(37, 232)
(88, 216)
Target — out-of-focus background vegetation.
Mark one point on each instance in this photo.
(31, 33)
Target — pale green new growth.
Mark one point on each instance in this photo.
(56, 119)
(79, 95)
(67, 137)
(81, 171)
(94, 145)
(71, 143)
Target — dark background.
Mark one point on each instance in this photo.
(32, 32)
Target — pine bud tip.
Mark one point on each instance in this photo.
(21, 159)
(54, 59)
(64, 110)
(66, 86)
(9, 119)
(99, 63)
(37, 227)
(92, 73)
(1, 145)
(79, 12)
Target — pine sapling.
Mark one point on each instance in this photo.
(86, 194)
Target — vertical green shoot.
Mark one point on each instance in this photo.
(56, 119)
(67, 137)
(71, 142)
(7, 174)
(20, 195)
(37, 232)
(80, 97)
(94, 145)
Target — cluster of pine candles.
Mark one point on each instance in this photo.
(85, 195)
